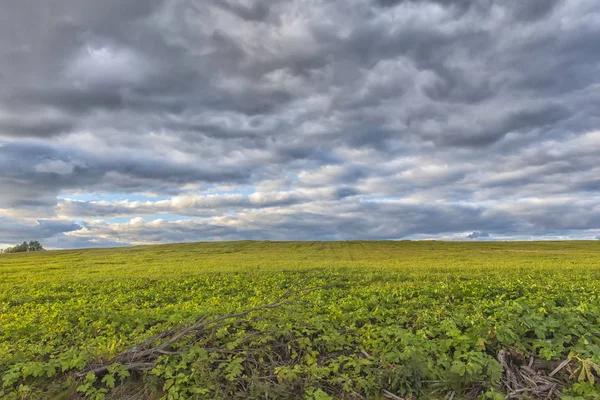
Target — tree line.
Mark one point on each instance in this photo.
(33, 245)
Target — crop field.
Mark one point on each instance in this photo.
(303, 320)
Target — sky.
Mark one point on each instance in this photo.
(155, 121)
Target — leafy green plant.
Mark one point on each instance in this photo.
(374, 319)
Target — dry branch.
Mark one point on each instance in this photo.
(143, 356)
(520, 377)
(391, 396)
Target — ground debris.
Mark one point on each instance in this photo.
(533, 378)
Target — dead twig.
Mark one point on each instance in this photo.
(522, 377)
(391, 396)
(143, 356)
(561, 366)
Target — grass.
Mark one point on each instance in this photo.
(431, 316)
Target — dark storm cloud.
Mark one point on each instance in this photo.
(257, 11)
(16, 231)
(523, 11)
(534, 9)
(40, 128)
(74, 242)
(458, 4)
(309, 120)
(519, 121)
(33, 174)
(319, 221)
(72, 100)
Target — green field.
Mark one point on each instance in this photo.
(357, 320)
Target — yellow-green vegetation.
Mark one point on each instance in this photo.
(356, 320)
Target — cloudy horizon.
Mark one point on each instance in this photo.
(163, 121)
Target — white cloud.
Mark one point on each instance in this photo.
(107, 65)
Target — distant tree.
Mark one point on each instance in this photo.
(34, 245)
(24, 247)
